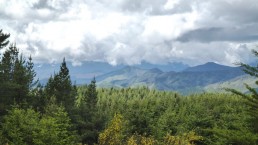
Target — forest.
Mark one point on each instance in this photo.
(61, 113)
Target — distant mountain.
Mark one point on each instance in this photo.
(81, 74)
(210, 66)
(175, 66)
(84, 73)
(193, 79)
(128, 76)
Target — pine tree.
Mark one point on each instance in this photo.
(252, 97)
(65, 86)
(60, 86)
(16, 78)
(49, 88)
(7, 85)
(3, 39)
(89, 121)
(92, 95)
(31, 74)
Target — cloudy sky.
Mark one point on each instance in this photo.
(131, 31)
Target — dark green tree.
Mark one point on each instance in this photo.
(251, 100)
(252, 97)
(50, 87)
(3, 39)
(61, 88)
(92, 95)
(3, 42)
(40, 99)
(7, 85)
(89, 121)
(31, 74)
(17, 78)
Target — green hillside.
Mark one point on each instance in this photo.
(235, 83)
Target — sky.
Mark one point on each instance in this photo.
(133, 31)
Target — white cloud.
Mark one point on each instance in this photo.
(171, 4)
(130, 31)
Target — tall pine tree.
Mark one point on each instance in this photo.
(89, 122)
(16, 77)
(61, 88)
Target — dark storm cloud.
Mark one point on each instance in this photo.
(207, 35)
(240, 11)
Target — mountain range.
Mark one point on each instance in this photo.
(84, 73)
(190, 80)
(171, 77)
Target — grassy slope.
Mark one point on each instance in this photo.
(235, 83)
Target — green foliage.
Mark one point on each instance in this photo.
(19, 125)
(156, 113)
(60, 86)
(89, 120)
(238, 137)
(3, 39)
(22, 127)
(17, 78)
(54, 128)
(251, 100)
(17, 87)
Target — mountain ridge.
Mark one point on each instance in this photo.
(193, 79)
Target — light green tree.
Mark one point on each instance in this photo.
(26, 126)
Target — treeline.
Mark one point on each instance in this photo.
(62, 113)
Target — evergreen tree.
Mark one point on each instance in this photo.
(16, 77)
(49, 88)
(252, 99)
(92, 95)
(39, 100)
(64, 86)
(89, 121)
(7, 85)
(26, 126)
(31, 74)
(3, 39)
(60, 86)
(19, 125)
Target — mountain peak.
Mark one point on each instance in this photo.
(209, 66)
(155, 70)
(210, 63)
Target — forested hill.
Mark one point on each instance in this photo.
(190, 80)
